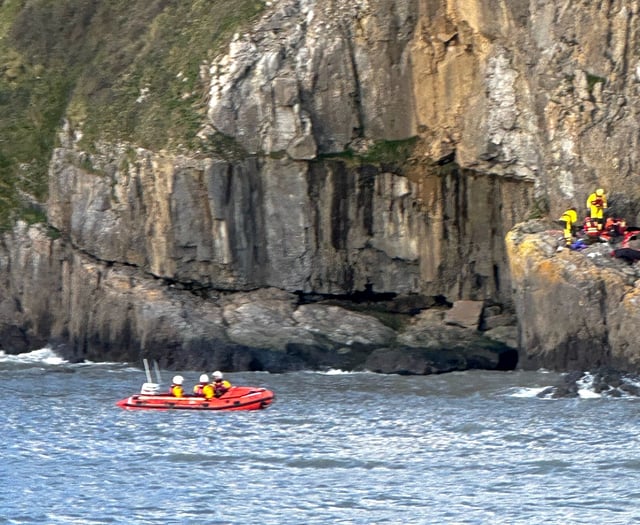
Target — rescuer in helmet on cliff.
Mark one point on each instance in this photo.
(568, 220)
(596, 204)
(203, 388)
(220, 385)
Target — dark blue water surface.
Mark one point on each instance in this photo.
(475, 447)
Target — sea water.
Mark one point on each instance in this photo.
(334, 448)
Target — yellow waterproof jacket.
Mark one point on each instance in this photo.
(570, 217)
(596, 205)
(176, 391)
(203, 389)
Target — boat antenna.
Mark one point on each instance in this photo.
(157, 370)
(147, 371)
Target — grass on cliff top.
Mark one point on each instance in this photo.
(144, 85)
(32, 101)
(119, 70)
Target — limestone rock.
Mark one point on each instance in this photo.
(321, 228)
(264, 320)
(342, 326)
(466, 314)
(115, 312)
(504, 334)
(506, 109)
(576, 310)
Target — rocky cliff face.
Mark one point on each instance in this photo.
(324, 227)
(377, 147)
(578, 310)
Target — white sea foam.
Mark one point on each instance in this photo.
(45, 356)
(338, 372)
(102, 363)
(527, 392)
(335, 372)
(48, 357)
(585, 387)
(585, 391)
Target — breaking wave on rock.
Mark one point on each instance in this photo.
(586, 385)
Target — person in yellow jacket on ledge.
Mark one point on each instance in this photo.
(220, 385)
(204, 388)
(568, 220)
(596, 204)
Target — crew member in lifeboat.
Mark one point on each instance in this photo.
(176, 389)
(204, 388)
(220, 385)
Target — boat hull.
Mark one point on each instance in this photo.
(236, 398)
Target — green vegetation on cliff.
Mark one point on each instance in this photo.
(125, 70)
(382, 152)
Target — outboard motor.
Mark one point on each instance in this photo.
(150, 388)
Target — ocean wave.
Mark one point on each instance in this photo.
(584, 385)
(48, 358)
(339, 372)
(45, 356)
(526, 391)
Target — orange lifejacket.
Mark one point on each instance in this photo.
(590, 227)
(615, 226)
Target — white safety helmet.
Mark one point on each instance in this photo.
(217, 375)
(599, 192)
(204, 378)
(177, 380)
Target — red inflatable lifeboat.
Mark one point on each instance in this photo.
(236, 398)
